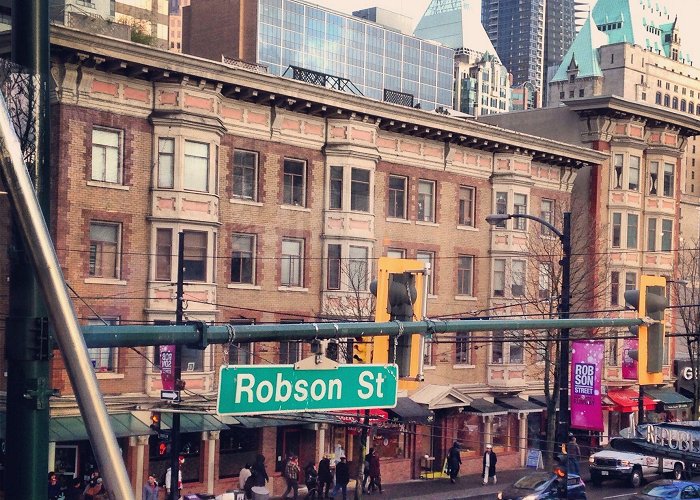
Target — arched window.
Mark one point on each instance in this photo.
(683, 105)
(658, 98)
(667, 100)
(691, 108)
(675, 103)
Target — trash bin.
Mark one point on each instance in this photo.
(261, 493)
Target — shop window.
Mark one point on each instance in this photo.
(288, 443)
(237, 447)
(390, 442)
(501, 431)
(467, 430)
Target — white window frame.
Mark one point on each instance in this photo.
(100, 170)
(428, 257)
(96, 354)
(252, 238)
(242, 190)
(288, 192)
(517, 277)
(460, 272)
(358, 266)
(426, 200)
(93, 267)
(166, 163)
(192, 164)
(464, 218)
(463, 348)
(499, 274)
(291, 277)
(390, 193)
(520, 207)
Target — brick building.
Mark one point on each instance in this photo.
(284, 191)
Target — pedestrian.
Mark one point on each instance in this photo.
(75, 490)
(291, 475)
(243, 476)
(342, 478)
(375, 474)
(490, 460)
(54, 486)
(311, 480)
(181, 460)
(325, 477)
(259, 473)
(95, 490)
(454, 460)
(365, 470)
(573, 453)
(150, 489)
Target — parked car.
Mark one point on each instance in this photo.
(543, 486)
(669, 488)
(632, 467)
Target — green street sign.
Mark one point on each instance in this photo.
(249, 390)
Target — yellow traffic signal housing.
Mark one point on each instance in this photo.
(650, 302)
(400, 292)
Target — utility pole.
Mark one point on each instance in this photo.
(175, 428)
(26, 335)
(564, 309)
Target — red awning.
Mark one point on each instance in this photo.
(357, 416)
(627, 400)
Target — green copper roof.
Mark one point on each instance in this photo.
(583, 53)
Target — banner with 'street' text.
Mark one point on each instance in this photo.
(586, 397)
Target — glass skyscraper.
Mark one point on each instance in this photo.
(372, 57)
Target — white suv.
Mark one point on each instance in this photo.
(634, 467)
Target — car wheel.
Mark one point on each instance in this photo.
(595, 478)
(636, 478)
(678, 471)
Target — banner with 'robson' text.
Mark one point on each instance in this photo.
(586, 397)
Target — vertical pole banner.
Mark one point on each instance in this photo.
(167, 367)
(629, 365)
(586, 399)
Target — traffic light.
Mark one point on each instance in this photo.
(155, 421)
(400, 293)
(362, 350)
(650, 302)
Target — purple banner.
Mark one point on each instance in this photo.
(167, 367)
(629, 365)
(586, 399)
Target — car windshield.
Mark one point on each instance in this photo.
(533, 481)
(661, 490)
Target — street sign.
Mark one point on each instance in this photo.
(170, 395)
(250, 390)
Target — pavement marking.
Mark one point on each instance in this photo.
(617, 496)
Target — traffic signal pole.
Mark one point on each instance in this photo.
(564, 309)
(175, 428)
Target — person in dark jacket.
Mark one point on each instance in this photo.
(342, 478)
(573, 452)
(375, 474)
(325, 477)
(291, 475)
(365, 470)
(454, 460)
(489, 462)
(75, 490)
(54, 486)
(259, 473)
(311, 480)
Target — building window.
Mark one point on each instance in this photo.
(499, 277)
(666, 235)
(166, 163)
(164, 254)
(612, 352)
(465, 268)
(336, 189)
(196, 166)
(616, 229)
(619, 163)
(245, 175)
(428, 258)
(581, 92)
(292, 262)
(632, 230)
(668, 179)
(651, 235)
(428, 353)
(675, 103)
(658, 98)
(106, 158)
(547, 214)
(334, 267)
(294, 183)
(497, 347)
(516, 349)
(615, 288)
(501, 206)
(243, 258)
(290, 352)
(426, 201)
(358, 268)
(667, 100)
(653, 177)
(396, 253)
(466, 206)
(195, 256)
(545, 280)
(518, 278)
(359, 190)
(103, 359)
(630, 281)
(104, 250)
(633, 174)
(397, 197)
(520, 207)
(241, 353)
(463, 348)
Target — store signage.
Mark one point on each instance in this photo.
(586, 399)
(250, 390)
(167, 367)
(681, 439)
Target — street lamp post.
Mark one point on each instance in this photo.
(564, 305)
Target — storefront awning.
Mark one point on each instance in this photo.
(407, 410)
(438, 397)
(283, 420)
(515, 404)
(62, 429)
(668, 399)
(194, 422)
(357, 416)
(485, 407)
(627, 400)
(540, 400)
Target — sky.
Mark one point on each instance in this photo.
(686, 9)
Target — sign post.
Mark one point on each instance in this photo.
(255, 389)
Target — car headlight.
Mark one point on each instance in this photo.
(591, 460)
